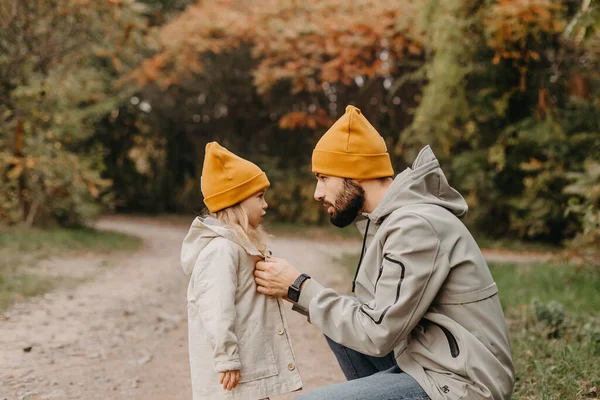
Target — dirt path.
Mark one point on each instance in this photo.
(123, 334)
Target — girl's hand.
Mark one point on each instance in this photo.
(229, 379)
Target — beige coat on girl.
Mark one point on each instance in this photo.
(231, 325)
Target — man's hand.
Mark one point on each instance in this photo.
(229, 379)
(274, 276)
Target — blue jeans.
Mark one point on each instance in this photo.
(369, 378)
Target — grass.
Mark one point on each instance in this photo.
(56, 240)
(516, 245)
(575, 287)
(16, 287)
(553, 315)
(554, 324)
(23, 249)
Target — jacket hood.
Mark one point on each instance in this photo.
(201, 233)
(423, 183)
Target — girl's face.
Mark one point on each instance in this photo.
(255, 207)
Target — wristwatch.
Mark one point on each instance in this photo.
(294, 289)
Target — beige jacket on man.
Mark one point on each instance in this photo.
(425, 292)
(231, 325)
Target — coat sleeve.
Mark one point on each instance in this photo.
(214, 287)
(410, 275)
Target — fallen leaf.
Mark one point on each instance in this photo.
(144, 359)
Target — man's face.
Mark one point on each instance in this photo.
(343, 198)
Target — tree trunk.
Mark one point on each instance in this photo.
(22, 183)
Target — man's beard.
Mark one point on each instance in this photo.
(348, 204)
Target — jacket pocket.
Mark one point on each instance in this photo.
(452, 342)
(256, 355)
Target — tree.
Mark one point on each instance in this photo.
(502, 91)
(57, 65)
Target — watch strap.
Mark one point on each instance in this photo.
(294, 289)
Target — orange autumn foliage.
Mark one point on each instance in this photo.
(304, 43)
(514, 28)
(301, 119)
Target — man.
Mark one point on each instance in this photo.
(426, 321)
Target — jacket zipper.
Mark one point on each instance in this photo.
(362, 254)
(454, 350)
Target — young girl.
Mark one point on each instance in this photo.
(239, 340)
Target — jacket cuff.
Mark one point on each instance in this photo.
(310, 289)
(228, 365)
(301, 310)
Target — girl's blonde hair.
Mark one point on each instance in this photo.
(236, 219)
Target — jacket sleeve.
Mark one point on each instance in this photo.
(409, 277)
(214, 287)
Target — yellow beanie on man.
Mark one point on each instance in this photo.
(228, 179)
(352, 148)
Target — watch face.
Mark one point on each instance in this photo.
(293, 294)
(294, 289)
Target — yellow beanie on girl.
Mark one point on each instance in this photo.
(228, 179)
(352, 148)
